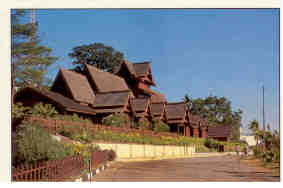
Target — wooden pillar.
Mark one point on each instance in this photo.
(187, 131)
(203, 133)
(178, 130)
(196, 132)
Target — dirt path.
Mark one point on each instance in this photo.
(225, 168)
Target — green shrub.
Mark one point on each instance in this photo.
(19, 111)
(110, 155)
(44, 110)
(75, 118)
(160, 126)
(35, 144)
(83, 136)
(144, 124)
(116, 120)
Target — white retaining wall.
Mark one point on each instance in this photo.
(132, 151)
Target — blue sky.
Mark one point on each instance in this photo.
(225, 52)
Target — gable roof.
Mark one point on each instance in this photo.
(77, 84)
(157, 109)
(111, 99)
(131, 68)
(142, 68)
(56, 98)
(105, 81)
(220, 131)
(157, 97)
(138, 70)
(176, 110)
(140, 104)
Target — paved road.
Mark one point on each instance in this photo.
(224, 168)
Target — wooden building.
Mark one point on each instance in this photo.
(74, 86)
(103, 82)
(142, 109)
(177, 117)
(117, 102)
(157, 97)
(220, 132)
(204, 124)
(30, 96)
(159, 111)
(138, 77)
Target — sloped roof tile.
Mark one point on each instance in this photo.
(79, 86)
(141, 69)
(157, 108)
(176, 110)
(111, 99)
(66, 103)
(219, 131)
(105, 81)
(157, 97)
(140, 104)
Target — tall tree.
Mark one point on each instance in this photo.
(96, 54)
(30, 59)
(218, 111)
(254, 127)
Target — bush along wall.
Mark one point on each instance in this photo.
(32, 144)
(115, 120)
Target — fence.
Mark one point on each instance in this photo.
(58, 170)
(53, 125)
(97, 158)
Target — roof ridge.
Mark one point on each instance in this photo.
(145, 62)
(169, 103)
(65, 70)
(99, 70)
(123, 91)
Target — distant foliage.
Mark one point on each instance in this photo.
(44, 110)
(269, 150)
(160, 126)
(29, 58)
(96, 54)
(217, 110)
(116, 120)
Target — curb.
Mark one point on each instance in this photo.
(150, 158)
(89, 176)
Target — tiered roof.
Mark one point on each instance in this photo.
(158, 110)
(220, 131)
(176, 112)
(140, 71)
(157, 97)
(77, 85)
(194, 120)
(141, 106)
(54, 98)
(112, 102)
(104, 82)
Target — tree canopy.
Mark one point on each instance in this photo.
(30, 59)
(96, 54)
(217, 110)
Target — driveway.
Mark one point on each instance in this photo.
(220, 168)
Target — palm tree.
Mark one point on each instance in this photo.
(188, 101)
(254, 126)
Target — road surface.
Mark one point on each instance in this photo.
(204, 169)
